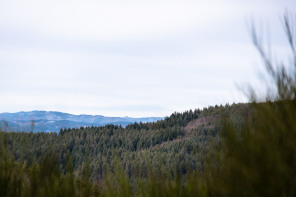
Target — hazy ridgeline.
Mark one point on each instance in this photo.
(237, 150)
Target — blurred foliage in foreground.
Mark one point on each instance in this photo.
(238, 150)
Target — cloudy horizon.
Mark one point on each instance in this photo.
(130, 58)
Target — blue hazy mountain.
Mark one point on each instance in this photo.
(52, 121)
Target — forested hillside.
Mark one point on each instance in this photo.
(134, 145)
(173, 147)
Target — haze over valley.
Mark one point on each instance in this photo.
(51, 121)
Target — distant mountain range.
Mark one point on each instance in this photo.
(52, 121)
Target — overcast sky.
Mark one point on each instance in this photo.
(131, 58)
